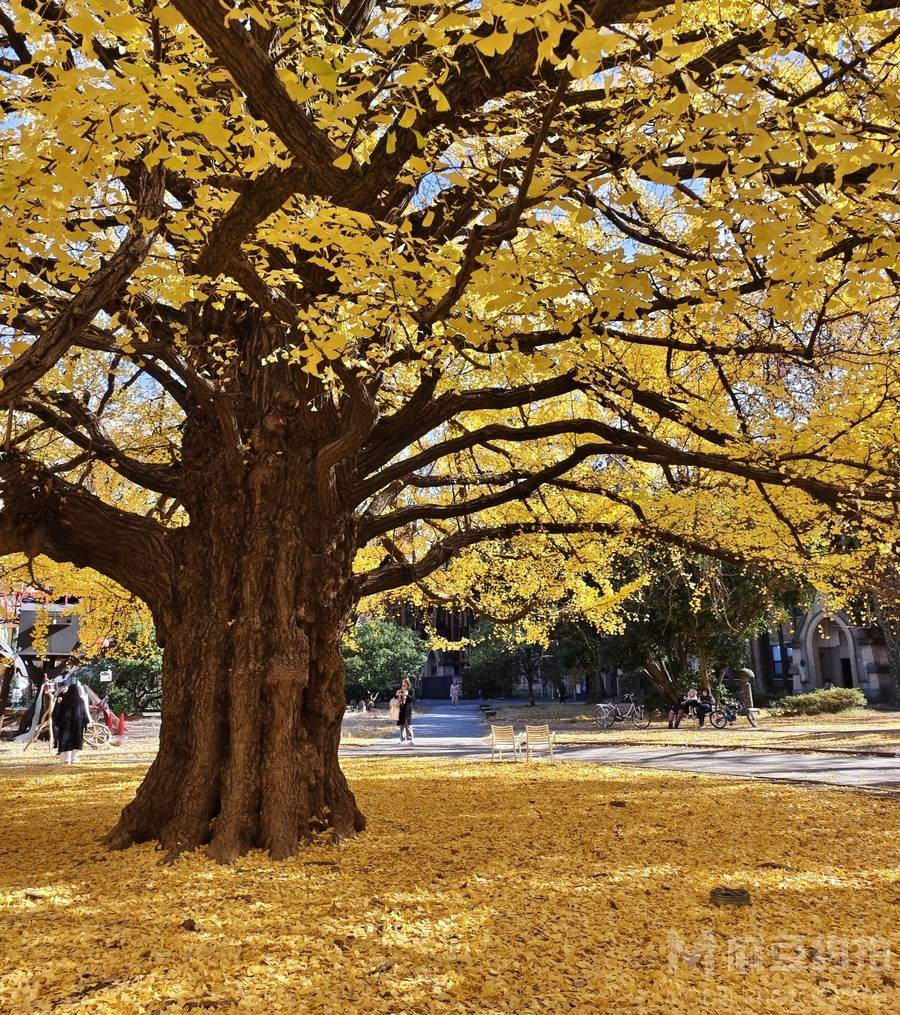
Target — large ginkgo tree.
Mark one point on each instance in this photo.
(303, 303)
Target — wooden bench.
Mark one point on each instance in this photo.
(505, 738)
(539, 738)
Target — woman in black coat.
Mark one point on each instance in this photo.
(405, 699)
(69, 720)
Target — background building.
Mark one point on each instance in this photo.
(819, 646)
(442, 665)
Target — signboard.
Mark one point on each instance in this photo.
(106, 676)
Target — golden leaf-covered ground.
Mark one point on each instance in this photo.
(478, 888)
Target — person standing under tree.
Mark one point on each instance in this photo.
(454, 691)
(70, 717)
(405, 699)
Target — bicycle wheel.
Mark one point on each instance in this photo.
(96, 735)
(606, 717)
(718, 719)
(640, 717)
(751, 717)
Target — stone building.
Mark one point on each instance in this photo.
(442, 665)
(822, 645)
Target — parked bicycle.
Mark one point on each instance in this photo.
(607, 715)
(729, 711)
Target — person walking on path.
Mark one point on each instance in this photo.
(70, 717)
(405, 699)
(454, 691)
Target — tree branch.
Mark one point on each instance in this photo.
(357, 418)
(419, 417)
(154, 476)
(398, 574)
(520, 490)
(257, 77)
(43, 514)
(43, 354)
(638, 447)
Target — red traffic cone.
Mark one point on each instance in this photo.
(110, 721)
(120, 729)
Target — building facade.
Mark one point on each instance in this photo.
(820, 647)
(442, 665)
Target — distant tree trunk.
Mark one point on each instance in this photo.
(889, 622)
(530, 675)
(253, 678)
(596, 686)
(5, 684)
(658, 671)
(528, 668)
(703, 669)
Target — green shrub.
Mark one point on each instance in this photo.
(136, 686)
(838, 699)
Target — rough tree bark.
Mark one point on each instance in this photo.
(703, 669)
(250, 602)
(253, 678)
(528, 667)
(253, 685)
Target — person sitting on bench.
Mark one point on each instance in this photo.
(686, 706)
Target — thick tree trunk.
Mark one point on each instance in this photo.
(596, 686)
(253, 680)
(253, 695)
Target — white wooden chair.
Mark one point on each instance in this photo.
(505, 738)
(539, 738)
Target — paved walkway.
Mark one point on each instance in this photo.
(442, 731)
(860, 771)
(445, 731)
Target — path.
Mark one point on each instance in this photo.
(861, 772)
(445, 731)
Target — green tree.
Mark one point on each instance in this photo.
(694, 617)
(136, 684)
(137, 665)
(577, 645)
(378, 654)
(492, 662)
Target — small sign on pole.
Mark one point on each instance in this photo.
(106, 676)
